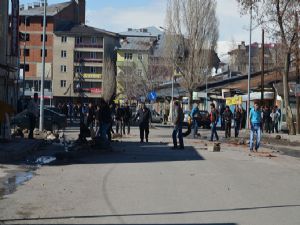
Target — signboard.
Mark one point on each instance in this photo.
(152, 96)
(15, 28)
(236, 100)
(297, 90)
(92, 76)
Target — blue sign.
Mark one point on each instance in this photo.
(152, 96)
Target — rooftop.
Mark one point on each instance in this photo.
(137, 43)
(83, 30)
(52, 10)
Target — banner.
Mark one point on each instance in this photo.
(15, 28)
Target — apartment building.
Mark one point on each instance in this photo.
(31, 28)
(78, 68)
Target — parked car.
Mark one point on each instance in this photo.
(203, 120)
(156, 117)
(53, 121)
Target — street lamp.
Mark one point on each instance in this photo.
(43, 74)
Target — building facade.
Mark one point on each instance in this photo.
(8, 54)
(31, 28)
(79, 58)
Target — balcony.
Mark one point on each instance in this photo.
(89, 75)
(88, 45)
(125, 63)
(88, 60)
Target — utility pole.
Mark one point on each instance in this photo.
(25, 42)
(249, 71)
(262, 66)
(297, 70)
(43, 75)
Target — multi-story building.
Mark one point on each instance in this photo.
(31, 26)
(238, 61)
(79, 55)
(138, 62)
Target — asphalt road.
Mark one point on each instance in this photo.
(152, 184)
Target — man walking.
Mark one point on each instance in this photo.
(214, 120)
(227, 119)
(144, 116)
(33, 112)
(178, 126)
(255, 124)
(195, 114)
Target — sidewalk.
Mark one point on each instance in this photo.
(17, 149)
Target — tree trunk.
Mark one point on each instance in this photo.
(288, 110)
(190, 99)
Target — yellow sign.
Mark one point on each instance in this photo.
(92, 76)
(236, 100)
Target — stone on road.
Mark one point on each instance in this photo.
(151, 184)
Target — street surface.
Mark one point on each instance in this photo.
(151, 184)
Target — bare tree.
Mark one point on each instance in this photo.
(278, 17)
(192, 34)
(109, 80)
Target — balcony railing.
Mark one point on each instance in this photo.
(88, 45)
(90, 60)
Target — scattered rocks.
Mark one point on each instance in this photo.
(51, 137)
(241, 141)
(278, 137)
(215, 148)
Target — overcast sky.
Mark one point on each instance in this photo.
(118, 15)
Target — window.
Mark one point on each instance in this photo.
(140, 56)
(27, 21)
(26, 67)
(78, 40)
(78, 69)
(64, 39)
(140, 73)
(128, 56)
(26, 52)
(93, 70)
(63, 83)
(46, 38)
(93, 40)
(63, 68)
(64, 54)
(93, 55)
(78, 55)
(42, 52)
(27, 37)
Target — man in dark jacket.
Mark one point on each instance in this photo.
(179, 116)
(144, 116)
(227, 119)
(127, 118)
(237, 116)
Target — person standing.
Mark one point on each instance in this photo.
(90, 116)
(227, 119)
(33, 112)
(214, 116)
(97, 121)
(144, 117)
(195, 114)
(105, 120)
(267, 119)
(237, 116)
(119, 119)
(255, 125)
(127, 118)
(275, 118)
(178, 126)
